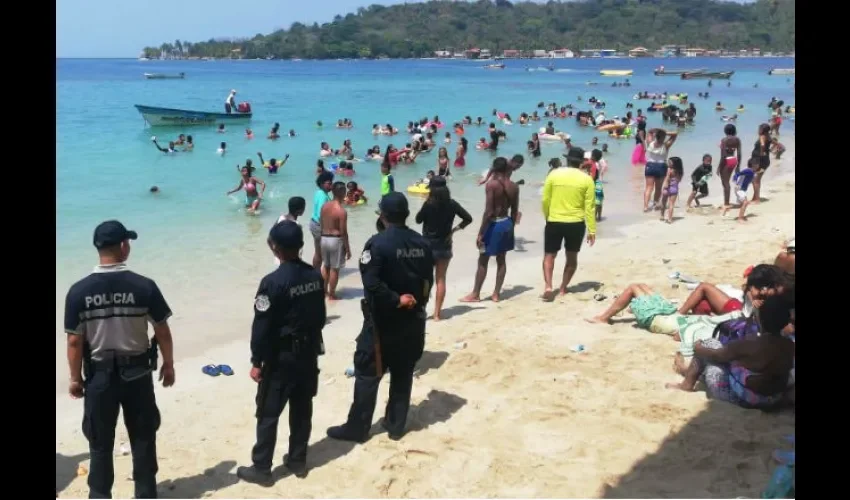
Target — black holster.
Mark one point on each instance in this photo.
(153, 354)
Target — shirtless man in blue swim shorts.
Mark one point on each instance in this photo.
(496, 236)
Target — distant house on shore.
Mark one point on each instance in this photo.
(442, 53)
(539, 53)
(511, 54)
(472, 53)
(640, 52)
(694, 52)
(561, 54)
(596, 53)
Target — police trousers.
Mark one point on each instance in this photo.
(400, 361)
(293, 379)
(105, 392)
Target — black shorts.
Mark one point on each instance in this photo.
(570, 234)
(441, 248)
(700, 188)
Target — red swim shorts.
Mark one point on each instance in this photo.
(732, 305)
(705, 308)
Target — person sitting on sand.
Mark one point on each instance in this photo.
(786, 259)
(752, 372)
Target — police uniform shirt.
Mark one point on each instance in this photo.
(289, 300)
(111, 309)
(395, 262)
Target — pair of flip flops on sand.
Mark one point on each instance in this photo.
(216, 370)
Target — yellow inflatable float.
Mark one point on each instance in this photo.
(418, 188)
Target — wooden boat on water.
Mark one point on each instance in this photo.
(165, 117)
(717, 75)
(782, 71)
(494, 66)
(616, 72)
(164, 76)
(662, 71)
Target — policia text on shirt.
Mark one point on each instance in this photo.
(286, 342)
(106, 317)
(397, 268)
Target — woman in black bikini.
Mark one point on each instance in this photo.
(761, 150)
(730, 159)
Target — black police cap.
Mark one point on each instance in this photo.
(287, 235)
(394, 203)
(110, 233)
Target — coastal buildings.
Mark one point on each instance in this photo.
(640, 52)
(561, 54)
(564, 53)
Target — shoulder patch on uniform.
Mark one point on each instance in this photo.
(262, 303)
(366, 257)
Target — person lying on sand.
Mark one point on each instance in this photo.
(658, 315)
(752, 372)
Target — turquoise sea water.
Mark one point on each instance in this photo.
(192, 232)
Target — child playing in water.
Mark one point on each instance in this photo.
(387, 181)
(670, 188)
(742, 179)
(699, 181)
(482, 144)
(448, 139)
(249, 134)
(222, 148)
(600, 194)
(354, 194)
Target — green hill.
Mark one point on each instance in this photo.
(418, 29)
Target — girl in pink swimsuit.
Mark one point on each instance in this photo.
(249, 183)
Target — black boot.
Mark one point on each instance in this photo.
(346, 433)
(256, 476)
(298, 469)
(390, 434)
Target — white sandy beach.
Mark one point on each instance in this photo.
(501, 406)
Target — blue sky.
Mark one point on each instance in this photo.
(120, 28)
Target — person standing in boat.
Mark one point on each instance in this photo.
(230, 102)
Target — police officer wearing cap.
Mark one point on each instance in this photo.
(106, 319)
(397, 268)
(286, 342)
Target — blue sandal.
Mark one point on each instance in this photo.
(211, 370)
(225, 370)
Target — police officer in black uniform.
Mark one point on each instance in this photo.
(397, 269)
(286, 342)
(106, 319)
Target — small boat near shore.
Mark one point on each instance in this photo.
(716, 75)
(662, 71)
(782, 71)
(165, 117)
(494, 66)
(616, 72)
(164, 76)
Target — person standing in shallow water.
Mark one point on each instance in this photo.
(496, 236)
(730, 160)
